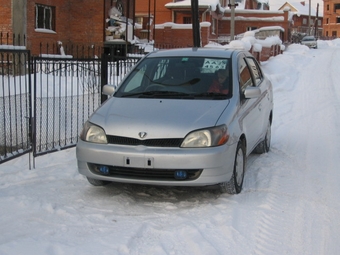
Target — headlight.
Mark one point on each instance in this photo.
(209, 137)
(93, 134)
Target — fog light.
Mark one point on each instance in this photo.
(104, 170)
(180, 174)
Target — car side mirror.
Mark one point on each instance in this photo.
(252, 92)
(109, 90)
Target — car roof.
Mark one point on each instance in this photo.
(195, 52)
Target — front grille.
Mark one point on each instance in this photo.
(145, 173)
(172, 142)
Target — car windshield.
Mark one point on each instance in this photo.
(178, 77)
(308, 39)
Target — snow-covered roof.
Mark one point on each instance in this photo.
(212, 4)
(275, 5)
(299, 8)
(302, 10)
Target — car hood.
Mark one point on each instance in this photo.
(159, 118)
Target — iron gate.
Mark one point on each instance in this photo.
(65, 94)
(15, 103)
(45, 101)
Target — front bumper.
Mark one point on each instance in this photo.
(156, 165)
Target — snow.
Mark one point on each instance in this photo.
(289, 203)
(248, 40)
(12, 47)
(201, 3)
(274, 5)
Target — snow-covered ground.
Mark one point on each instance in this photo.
(290, 202)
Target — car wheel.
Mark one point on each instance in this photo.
(264, 146)
(234, 185)
(96, 182)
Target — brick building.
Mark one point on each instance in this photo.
(331, 19)
(44, 23)
(170, 17)
(299, 18)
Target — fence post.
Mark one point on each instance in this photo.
(103, 75)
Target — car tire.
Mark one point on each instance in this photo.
(96, 182)
(234, 185)
(264, 146)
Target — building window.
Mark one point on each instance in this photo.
(334, 33)
(336, 7)
(304, 21)
(120, 7)
(45, 17)
(139, 20)
(327, 21)
(337, 19)
(187, 20)
(327, 7)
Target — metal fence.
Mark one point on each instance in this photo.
(15, 103)
(65, 94)
(45, 101)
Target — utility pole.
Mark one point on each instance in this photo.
(309, 9)
(149, 17)
(195, 23)
(316, 22)
(232, 6)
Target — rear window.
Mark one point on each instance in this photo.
(308, 39)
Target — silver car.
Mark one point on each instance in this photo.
(309, 41)
(165, 125)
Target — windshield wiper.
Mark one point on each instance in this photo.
(160, 94)
(212, 95)
(146, 93)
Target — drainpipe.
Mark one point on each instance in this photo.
(203, 14)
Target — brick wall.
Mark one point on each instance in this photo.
(175, 35)
(247, 19)
(5, 20)
(162, 14)
(76, 22)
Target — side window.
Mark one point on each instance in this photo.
(244, 74)
(255, 70)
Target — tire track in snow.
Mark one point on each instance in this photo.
(289, 194)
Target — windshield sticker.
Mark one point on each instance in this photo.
(211, 65)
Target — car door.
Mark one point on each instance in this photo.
(250, 109)
(264, 101)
